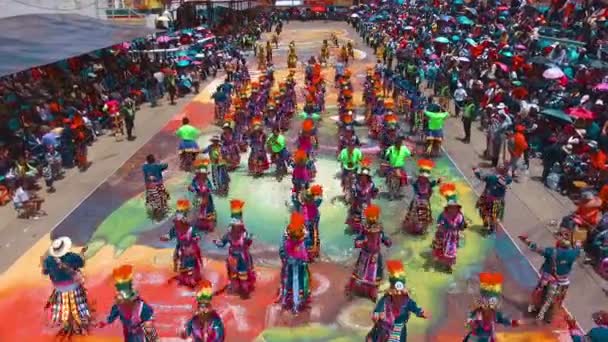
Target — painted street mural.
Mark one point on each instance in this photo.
(114, 225)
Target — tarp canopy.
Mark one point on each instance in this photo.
(27, 41)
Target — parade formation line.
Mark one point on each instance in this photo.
(114, 225)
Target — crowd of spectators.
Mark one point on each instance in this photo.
(534, 77)
(50, 114)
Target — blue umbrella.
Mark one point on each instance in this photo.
(465, 20)
(183, 63)
(471, 41)
(182, 53)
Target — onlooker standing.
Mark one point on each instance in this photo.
(460, 96)
(128, 114)
(517, 146)
(468, 116)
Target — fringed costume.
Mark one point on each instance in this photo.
(369, 268)
(393, 310)
(239, 263)
(258, 159)
(491, 203)
(450, 224)
(219, 171)
(419, 215)
(554, 281)
(311, 201)
(68, 304)
(133, 312)
(294, 293)
(187, 259)
(203, 190)
(364, 191)
(206, 324)
(485, 316)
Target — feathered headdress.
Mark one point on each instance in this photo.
(201, 165)
(347, 93)
(183, 205)
(236, 208)
(123, 281)
(372, 212)
(256, 121)
(490, 288)
(205, 292)
(388, 104)
(308, 125)
(296, 226)
(396, 271)
(365, 164)
(316, 190)
(425, 166)
(347, 119)
(390, 118)
(448, 190)
(300, 156)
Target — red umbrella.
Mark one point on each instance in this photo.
(318, 9)
(519, 93)
(580, 113)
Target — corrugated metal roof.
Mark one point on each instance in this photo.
(28, 41)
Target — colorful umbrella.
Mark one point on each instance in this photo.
(502, 66)
(183, 63)
(471, 41)
(601, 87)
(519, 93)
(442, 40)
(556, 114)
(580, 113)
(521, 47)
(553, 73)
(465, 21)
(163, 39)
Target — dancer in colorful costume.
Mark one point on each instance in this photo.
(134, 313)
(68, 304)
(596, 334)
(301, 172)
(419, 215)
(239, 262)
(364, 191)
(485, 315)
(156, 194)
(187, 258)
(450, 224)
(294, 293)
(219, 171)
(230, 146)
(202, 188)
(552, 287)
(491, 203)
(258, 159)
(188, 147)
(369, 268)
(206, 325)
(311, 201)
(393, 310)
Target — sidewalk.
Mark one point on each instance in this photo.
(531, 209)
(107, 155)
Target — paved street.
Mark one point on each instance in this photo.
(103, 208)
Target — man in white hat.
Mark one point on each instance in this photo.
(68, 303)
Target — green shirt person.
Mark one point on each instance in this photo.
(350, 157)
(436, 120)
(470, 111)
(276, 142)
(397, 155)
(187, 132)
